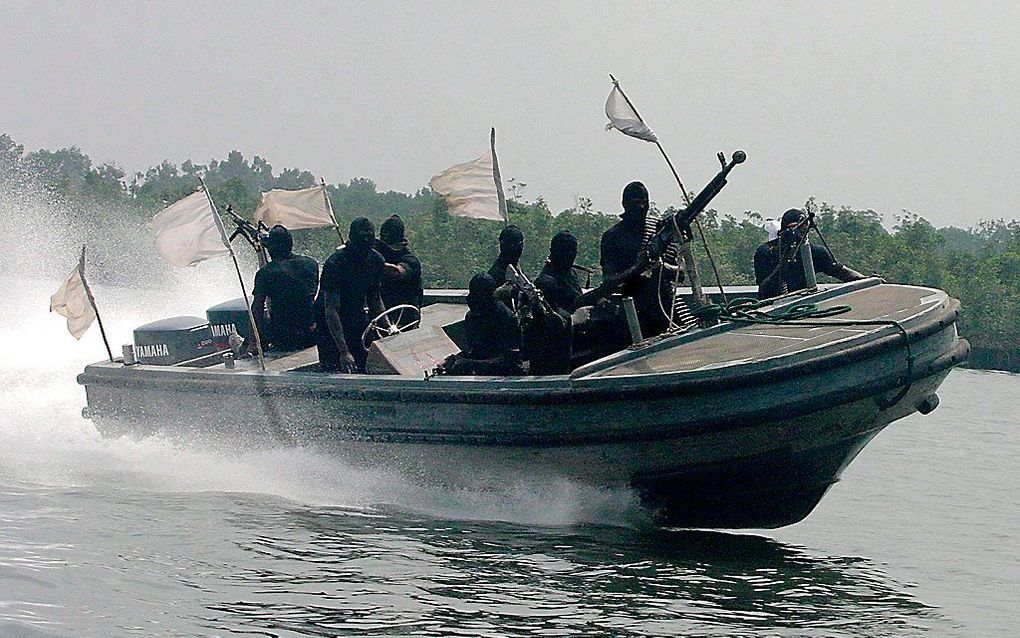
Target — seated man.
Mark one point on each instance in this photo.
(511, 246)
(778, 268)
(401, 283)
(350, 281)
(557, 281)
(492, 334)
(288, 283)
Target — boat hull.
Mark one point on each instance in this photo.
(751, 447)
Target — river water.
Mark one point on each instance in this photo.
(120, 537)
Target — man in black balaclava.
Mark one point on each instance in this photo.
(511, 245)
(619, 252)
(492, 334)
(778, 268)
(288, 283)
(350, 281)
(401, 282)
(558, 281)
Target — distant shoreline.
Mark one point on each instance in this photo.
(1002, 359)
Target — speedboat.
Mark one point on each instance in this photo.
(744, 424)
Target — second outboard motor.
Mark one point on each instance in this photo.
(226, 317)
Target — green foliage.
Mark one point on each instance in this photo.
(980, 266)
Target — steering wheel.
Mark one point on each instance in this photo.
(392, 321)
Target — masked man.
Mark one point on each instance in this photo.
(401, 283)
(492, 334)
(511, 245)
(558, 281)
(350, 281)
(288, 283)
(778, 268)
(621, 245)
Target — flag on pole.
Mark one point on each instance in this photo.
(474, 189)
(190, 231)
(295, 209)
(74, 300)
(624, 118)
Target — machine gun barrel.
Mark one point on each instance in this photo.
(683, 219)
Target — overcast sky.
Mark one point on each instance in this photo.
(883, 105)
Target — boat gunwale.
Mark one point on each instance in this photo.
(559, 389)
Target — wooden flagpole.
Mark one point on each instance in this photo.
(329, 205)
(92, 301)
(240, 278)
(498, 180)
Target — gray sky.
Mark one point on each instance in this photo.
(883, 105)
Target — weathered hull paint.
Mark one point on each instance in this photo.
(754, 446)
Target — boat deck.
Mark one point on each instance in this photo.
(734, 344)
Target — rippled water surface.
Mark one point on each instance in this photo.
(118, 537)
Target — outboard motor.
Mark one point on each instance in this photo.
(226, 317)
(173, 341)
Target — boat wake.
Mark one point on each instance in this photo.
(45, 441)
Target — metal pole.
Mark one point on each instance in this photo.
(240, 278)
(683, 191)
(92, 300)
(329, 205)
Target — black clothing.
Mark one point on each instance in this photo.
(289, 285)
(493, 342)
(498, 269)
(347, 281)
(406, 289)
(768, 256)
(619, 250)
(547, 341)
(559, 288)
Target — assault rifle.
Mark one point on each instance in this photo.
(520, 281)
(673, 229)
(678, 228)
(252, 234)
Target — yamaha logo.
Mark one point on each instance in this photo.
(152, 350)
(222, 329)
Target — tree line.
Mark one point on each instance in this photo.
(979, 265)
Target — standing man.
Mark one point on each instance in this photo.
(621, 245)
(778, 268)
(511, 245)
(350, 281)
(288, 283)
(401, 283)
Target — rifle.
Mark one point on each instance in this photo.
(520, 281)
(251, 233)
(674, 229)
(678, 228)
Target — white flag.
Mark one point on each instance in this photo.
(474, 189)
(190, 231)
(74, 301)
(625, 119)
(305, 208)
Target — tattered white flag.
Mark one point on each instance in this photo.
(74, 300)
(190, 231)
(305, 208)
(474, 189)
(625, 119)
